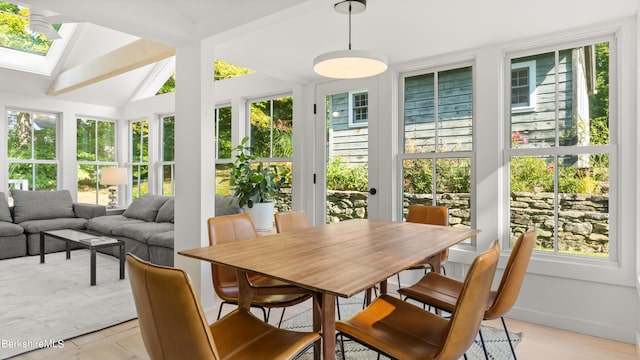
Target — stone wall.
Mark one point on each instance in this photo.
(583, 220)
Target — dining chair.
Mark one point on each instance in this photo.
(291, 220)
(443, 292)
(433, 215)
(238, 227)
(401, 330)
(173, 324)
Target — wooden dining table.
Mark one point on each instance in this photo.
(341, 259)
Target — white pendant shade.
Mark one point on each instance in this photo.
(349, 64)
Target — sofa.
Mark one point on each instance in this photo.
(146, 227)
(36, 211)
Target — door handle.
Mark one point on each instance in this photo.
(373, 191)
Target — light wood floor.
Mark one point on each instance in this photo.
(539, 342)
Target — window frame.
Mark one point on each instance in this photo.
(97, 163)
(557, 151)
(353, 123)
(139, 164)
(161, 160)
(32, 161)
(437, 154)
(531, 68)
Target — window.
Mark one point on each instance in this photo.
(560, 156)
(139, 157)
(222, 138)
(32, 151)
(272, 140)
(523, 86)
(167, 162)
(358, 105)
(437, 144)
(95, 149)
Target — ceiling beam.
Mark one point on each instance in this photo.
(129, 57)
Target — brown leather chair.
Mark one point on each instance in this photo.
(402, 330)
(443, 292)
(173, 324)
(433, 215)
(291, 220)
(240, 227)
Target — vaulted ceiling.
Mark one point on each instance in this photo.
(281, 37)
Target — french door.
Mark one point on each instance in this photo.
(346, 151)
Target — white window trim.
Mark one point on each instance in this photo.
(353, 124)
(531, 66)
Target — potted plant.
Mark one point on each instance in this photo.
(254, 185)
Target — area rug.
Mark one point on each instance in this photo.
(495, 339)
(46, 304)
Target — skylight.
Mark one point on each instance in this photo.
(23, 49)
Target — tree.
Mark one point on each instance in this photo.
(15, 33)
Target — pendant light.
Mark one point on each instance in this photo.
(350, 64)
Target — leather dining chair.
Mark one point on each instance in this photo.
(291, 220)
(173, 324)
(401, 330)
(240, 227)
(443, 292)
(433, 215)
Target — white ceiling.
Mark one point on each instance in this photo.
(282, 37)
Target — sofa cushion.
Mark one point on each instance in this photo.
(35, 226)
(164, 239)
(5, 214)
(226, 205)
(10, 229)
(142, 231)
(145, 207)
(165, 213)
(37, 205)
(105, 224)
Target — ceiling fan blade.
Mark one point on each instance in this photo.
(39, 24)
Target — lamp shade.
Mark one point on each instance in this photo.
(349, 64)
(114, 176)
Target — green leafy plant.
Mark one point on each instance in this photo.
(252, 181)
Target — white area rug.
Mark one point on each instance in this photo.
(495, 339)
(45, 304)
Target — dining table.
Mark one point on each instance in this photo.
(334, 260)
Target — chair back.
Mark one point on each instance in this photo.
(513, 277)
(424, 214)
(172, 323)
(469, 311)
(291, 220)
(223, 229)
(433, 215)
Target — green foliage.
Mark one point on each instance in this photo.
(453, 175)
(222, 70)
(418, 177)
(531, 174)
(347, 178)
(252, 181)
(14, 32)
(169, 86)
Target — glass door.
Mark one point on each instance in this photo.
(345, 118)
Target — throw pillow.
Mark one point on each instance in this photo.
(5, 214)
(165, 213)
(145, 207)
(39, 205)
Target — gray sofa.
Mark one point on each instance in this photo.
(146, 227)
(36, 211)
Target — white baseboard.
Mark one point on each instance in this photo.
(559, 321)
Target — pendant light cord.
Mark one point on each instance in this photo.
(349, 25)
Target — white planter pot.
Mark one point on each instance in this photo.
(262, 214)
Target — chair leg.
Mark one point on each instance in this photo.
(398, 275)
(484, 348)
(220, 310)
(338, 307)
(266, 318)
(281, 316)
(341, 344)
(444, 271)
(504, 325)
(465, 356)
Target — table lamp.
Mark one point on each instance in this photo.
(113, 176)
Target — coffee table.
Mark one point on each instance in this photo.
(82, 238)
